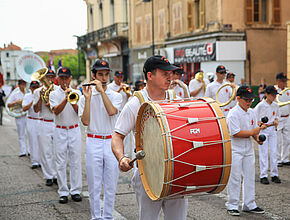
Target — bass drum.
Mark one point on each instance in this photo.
(187, 146)
(15, 111)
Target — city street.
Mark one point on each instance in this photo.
(24, 195)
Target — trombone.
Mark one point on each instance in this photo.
(280, 104)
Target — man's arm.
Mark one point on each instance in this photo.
(118, 150)
(27, 107)
(85, 118)
(108, 104)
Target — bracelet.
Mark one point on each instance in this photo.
(122, 158)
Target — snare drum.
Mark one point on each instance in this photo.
(187, 146)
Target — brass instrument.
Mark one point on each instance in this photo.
(280, 104)
(16, 110)
(199, 77)
(40, 76)
(126, 89)
(73, 98)
(234, 91)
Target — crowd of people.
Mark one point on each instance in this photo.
(109, 112)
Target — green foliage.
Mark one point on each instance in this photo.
(70, 61)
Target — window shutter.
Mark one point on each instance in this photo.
(276, 12)
(190, 15)
(249, 12)
(201, 15)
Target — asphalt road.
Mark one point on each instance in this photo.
(23, 194)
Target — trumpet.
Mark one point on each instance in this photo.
(234, 91)
(127, 89)
(73, 98)
(280, 104)
(199, 77)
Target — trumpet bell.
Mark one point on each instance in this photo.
(73, 98)
(127, 89)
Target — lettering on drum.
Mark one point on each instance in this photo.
(195, 131)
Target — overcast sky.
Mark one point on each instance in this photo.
(42, 25)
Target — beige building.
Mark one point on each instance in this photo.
(248, 37)
(107, 35)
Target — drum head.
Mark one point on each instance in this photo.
(150, 139)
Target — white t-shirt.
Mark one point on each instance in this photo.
(179, 90)
(115, 88)
(100, 122)
(68, 116)
(27, 99)
(44, 112)
(285, 97)
(194, 84)
(16, 96)
(240, 120)
(265, 109)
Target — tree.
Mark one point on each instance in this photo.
(70, 61)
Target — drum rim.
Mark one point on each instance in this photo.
(227, 152)
(167, 142)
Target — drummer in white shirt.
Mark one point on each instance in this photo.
(179, 87)
(67, 138)
(32, 124)
(225, 93)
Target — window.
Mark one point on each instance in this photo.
(8, 76)
(125, 10)
(101, 23)
(91, 18)
(7, 54)
(161, 23)
(199, 14)
(258, 11)
(148, 25)
(138, 30)
(176, 18)
(190, 15)
(112, 11)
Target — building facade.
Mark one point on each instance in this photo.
(248, 37)
(9, 55)
(107, 35)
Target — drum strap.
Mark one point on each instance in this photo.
(170, 94)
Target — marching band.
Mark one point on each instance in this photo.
(51, 114)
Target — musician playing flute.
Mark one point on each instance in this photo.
(99, 108)
(16, 102)
(67, 137)
(157, 71)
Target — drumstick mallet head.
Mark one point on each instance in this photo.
(261, 136)
(139, 156)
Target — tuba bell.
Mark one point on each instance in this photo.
(40, 76)
(280, 104)
(15, 111)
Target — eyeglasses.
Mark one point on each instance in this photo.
(247, 100)
(223, 73)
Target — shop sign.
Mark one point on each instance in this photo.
(195, 54)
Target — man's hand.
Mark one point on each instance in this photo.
(87, 91)
(124, 164)
(67, 91)
(99, 86)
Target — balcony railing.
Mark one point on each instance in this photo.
(117, 30)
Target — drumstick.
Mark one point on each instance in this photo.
(261, 136)
(139, 156)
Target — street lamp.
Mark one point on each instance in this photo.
(152, 7)
(79, 58)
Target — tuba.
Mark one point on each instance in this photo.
(280, 104)
(40, 76)
(16, 110)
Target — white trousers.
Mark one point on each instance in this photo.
(283, 140)
(32, 140)
(269, 145)
(173, 209)
(243, 165)
(46, 149)
(102, 171)
(21, 125)
(68, 142)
